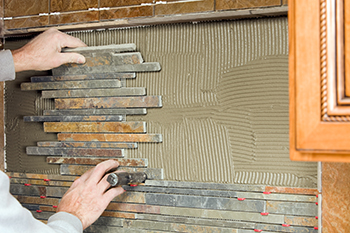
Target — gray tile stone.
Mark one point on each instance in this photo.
(199, 192)
(116, 111)
(124, 91)
(205, 202)
(200, 185)
(222, 214)
(278, 196)
(70, 85)
(71, 152)
(197, 221)
(112, 48)
(128, 68)
(21, 189)
(174, 227)
(73, 118)
(82, 77)
(108, 221)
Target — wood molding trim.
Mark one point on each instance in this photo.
(311, 137)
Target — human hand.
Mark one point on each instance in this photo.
(44, 51)
(87, 198)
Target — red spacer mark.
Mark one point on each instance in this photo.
(133, 185)
(257, 230)
(316, 228)
(316, 217)
(266, 192)
(39, 211)
(285, 225)
(264, 213)
(46, 179)
(316, 203)
(27, 184)
(42, 197)
(54, 206)
(240, 198)
(10, 177)
(316, 195)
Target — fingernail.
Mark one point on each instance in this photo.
(81, 60)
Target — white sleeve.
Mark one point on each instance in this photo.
(7, 66)
(16, 219)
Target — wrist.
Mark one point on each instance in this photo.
(19, 60)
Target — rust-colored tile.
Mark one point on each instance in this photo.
(23, 8)
(335, 197)
(127, 12)
(184, 7)
(284, 2)
(76, 17)
(118, 215)
(239, 4)
(68, 5)
(116, 3)
(29, 22)
(149, 209)
(291, 190)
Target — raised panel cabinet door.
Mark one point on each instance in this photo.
(319, 80)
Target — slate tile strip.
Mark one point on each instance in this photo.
(70, 152)
(94, 161)
(115, 111)
(118, 145)
(135, 91)
(83, 77)
(109, 83)
(109, 102)
(72, 118)
(110, 137)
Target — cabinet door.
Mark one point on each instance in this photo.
(319, 80)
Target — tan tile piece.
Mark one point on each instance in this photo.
(284, 2)
(116, 3)
(184, 7)
(239, 4)
(335, 197)
(127, 12)
(29, 22)
(23, 8)
(69, 5)
(300, 221)
(76, 17)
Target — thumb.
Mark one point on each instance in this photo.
(72, 58)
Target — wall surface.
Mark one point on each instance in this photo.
(225, 103)
(39, 13)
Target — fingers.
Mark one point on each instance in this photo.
(72, 58)
(101, 169)
(112, 193)
(70, 41)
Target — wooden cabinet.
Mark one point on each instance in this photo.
(319, 79)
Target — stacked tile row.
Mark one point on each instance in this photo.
(170, 206)
(91, 104)
(35, 13)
